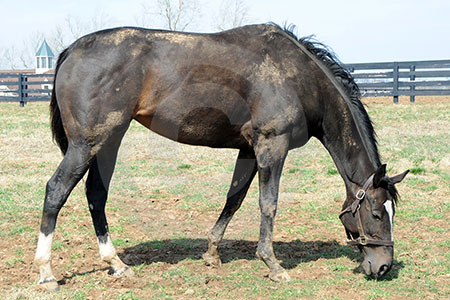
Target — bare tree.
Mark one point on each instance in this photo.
(174, 14)
(2, 59)
(232, 13)
(60, 38)
(74, 28)
(8, 58)
(78, 27)
(29, 48)
(64, 34)
(3, 63)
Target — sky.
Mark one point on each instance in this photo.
(357, 30)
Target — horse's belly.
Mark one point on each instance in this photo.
(209, 121)
(202, 126)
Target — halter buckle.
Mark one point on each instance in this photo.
(360, 194)
(363, 240)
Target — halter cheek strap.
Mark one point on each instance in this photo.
(354, 208)
(360, 195)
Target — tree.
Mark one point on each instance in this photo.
(2, 59)
(8, 59)
(174, 14)
(25, 57)
(232, 13)
(73, 28)
(59, 39)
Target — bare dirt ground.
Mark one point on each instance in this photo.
(165, 197)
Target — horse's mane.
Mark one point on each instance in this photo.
(343, 76)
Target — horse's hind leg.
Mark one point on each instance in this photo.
(97, 185)
(244, 172)
(70, 171)
(87, 138)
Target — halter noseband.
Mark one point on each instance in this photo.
(354, 208)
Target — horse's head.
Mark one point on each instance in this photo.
(368, 220)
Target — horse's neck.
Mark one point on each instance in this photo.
(344, 142)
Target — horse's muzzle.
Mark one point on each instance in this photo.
(377, 261)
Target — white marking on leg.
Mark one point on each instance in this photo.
(107, 250)
(389, 205)
(42, 257)
(109, 255)
(44, 247)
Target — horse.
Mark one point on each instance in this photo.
(256, 88)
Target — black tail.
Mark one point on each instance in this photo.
(59, 135)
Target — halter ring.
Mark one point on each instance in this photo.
(360, 194)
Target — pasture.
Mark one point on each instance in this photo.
(165, 197)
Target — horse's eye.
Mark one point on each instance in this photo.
(376, 214)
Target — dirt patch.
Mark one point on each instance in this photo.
(163, 202)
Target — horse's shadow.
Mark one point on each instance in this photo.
(290, 253)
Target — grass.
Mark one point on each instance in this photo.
(165, 197)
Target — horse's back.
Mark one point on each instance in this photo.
(193, 88)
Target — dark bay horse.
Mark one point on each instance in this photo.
(256, 88)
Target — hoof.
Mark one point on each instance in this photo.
(280, 276)
(213, 261)
(125, 271)
(49, 286)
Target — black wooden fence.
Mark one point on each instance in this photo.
(25, 88)
(394, 79)
(406, 78)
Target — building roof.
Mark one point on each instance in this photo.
(45, 50)
(22, 71)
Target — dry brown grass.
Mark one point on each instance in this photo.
(165, 197)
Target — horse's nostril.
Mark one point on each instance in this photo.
(382, 271)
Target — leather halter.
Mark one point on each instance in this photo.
(354, 208)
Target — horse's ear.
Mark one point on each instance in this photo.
(398, 178)
(379, 176)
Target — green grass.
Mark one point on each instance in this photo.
(165, 197)
(417, 170)
(184, 166)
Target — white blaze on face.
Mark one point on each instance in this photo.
(389, 205)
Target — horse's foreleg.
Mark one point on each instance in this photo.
(270, 154)
(244, 172)
(97, 186)
(70, 171)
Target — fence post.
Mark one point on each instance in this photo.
(412, 87)
(395, 82)
(25, 88)
(20, 90)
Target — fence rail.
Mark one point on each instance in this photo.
(25, 88)
(406, 78)
(394, 79)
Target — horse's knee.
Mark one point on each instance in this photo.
(268, 208)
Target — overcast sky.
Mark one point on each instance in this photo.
(357, 30)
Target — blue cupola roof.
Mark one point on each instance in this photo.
(45, 50)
